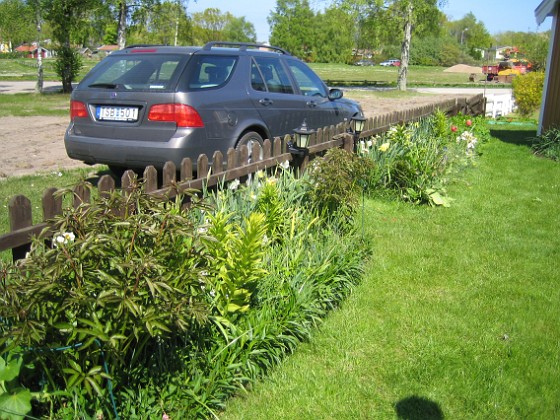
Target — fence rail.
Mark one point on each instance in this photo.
(233, 166)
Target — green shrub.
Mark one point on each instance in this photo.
(334, 185)
(527, 91)
(548, 144)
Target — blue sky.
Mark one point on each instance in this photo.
(497, 15)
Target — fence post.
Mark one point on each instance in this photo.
(19, 212)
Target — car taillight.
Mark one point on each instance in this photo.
(182, 115)
(77, 110)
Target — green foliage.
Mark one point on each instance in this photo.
(414, 160)
(548, 144)
(15, 400)
(527, 91)
(117, 282)
(291, 28)
(335, 183)
(164, 308)
(67, 66)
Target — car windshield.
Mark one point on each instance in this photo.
(136, 72)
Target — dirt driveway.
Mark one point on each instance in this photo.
(36, 144)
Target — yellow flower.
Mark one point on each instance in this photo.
(384, 147)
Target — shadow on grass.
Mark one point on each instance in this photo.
(418, 408)
(517, 136)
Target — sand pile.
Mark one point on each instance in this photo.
(463, 68)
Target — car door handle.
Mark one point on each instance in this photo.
(311, 104)
(266, 101)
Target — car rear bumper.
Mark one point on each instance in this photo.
(133, 153)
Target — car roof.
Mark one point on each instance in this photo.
(241, 48)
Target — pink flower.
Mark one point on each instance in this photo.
(453, 128)
(165, 417)
(468, 122)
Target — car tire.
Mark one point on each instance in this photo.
(248, 139)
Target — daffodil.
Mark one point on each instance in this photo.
(384, 147)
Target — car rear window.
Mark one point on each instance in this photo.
(209, 71)
(137, 72)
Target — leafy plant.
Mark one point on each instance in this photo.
(120, 276)
(548, 144)
(527, 91)
(334, 183)
(15, 400)
(415, 159)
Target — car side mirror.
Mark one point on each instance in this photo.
(335, 94)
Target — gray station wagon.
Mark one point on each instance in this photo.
(146, 105)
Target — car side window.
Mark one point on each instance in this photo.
(210, 71)
(273, 74)
(308, 82)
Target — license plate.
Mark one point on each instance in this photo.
(116, 113)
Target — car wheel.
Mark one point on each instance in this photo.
(249, 139)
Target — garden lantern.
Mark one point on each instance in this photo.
(357, 126)
(302, 135)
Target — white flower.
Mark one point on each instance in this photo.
(369, 143)
(285, 164)
(234, 184)
(64, 238)
(59, 174)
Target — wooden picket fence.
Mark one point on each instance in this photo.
(234, 165)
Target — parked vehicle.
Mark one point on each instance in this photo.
(146, 105)
(506, 68)
(364, 63)
(392, 62)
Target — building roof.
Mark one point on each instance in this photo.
(545, 9)
(108, 48)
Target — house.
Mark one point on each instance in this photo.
(32, 51)
(107, 49)
(85, 52)
(550, 107)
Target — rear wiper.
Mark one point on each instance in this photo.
(104, 85)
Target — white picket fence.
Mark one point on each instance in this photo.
(499, 104)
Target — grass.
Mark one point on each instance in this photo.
(31, 104)
(458, 316)
(417, 75)
(26, 69)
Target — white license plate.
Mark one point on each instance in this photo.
(116, 113)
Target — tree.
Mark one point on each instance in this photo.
(66, 18)
(239, 30)
(334, 37)
(16, 23)
(420, 15)
(291, 26)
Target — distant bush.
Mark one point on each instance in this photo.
(527, 91)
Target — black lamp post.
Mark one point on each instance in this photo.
(357, 125)
(299, 148)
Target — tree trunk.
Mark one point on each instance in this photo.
(39, 85)
(121, 29)
(405, 49)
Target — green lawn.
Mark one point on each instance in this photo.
(458, 315)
